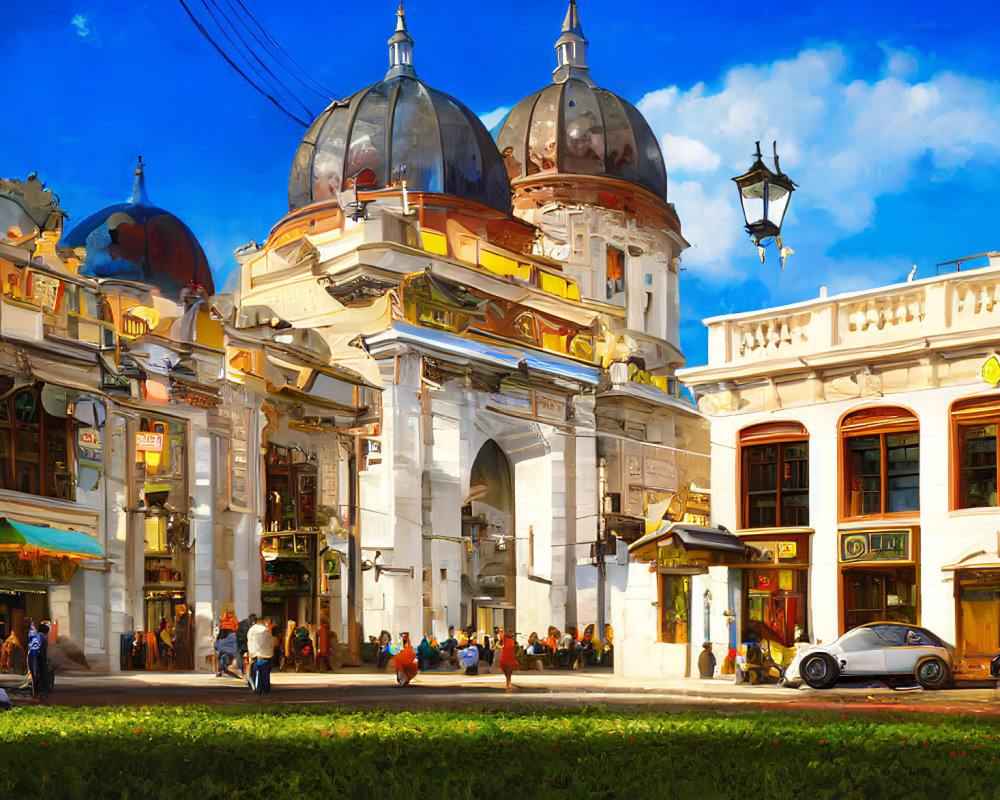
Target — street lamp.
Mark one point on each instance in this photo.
(764, 196)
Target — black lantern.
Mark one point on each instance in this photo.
(764, 196)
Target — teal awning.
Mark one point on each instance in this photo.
(54, 540)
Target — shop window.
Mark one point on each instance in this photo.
(775, 600)
(675, 608)
(160, 463)
(881, 462)
(885, 594)
(291, 491)
(775, 475)
(974, 424)
(615, 271)
(37, 452)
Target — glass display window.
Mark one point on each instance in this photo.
(291, 491)
(161, 462)
(675, 608)
(776, 602)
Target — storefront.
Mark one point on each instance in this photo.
(879, 579)
(32, 559)
(678, 553)
(292, 571)
(160, 462)
(774, 589)
(976, 579)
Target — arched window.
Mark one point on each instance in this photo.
(774, 475)
(974, 425)
(36, 452)
(881, 462)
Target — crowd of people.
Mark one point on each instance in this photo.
(471, 650)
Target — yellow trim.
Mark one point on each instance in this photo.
(436, 243)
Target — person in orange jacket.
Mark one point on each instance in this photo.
(405, 662)
(508, 658)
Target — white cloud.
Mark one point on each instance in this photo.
(689, 155)
(846, 141)
(491, 118)
(79, 22)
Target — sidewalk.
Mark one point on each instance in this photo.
(365, 686)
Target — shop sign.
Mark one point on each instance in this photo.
(149, 442)
(89, 438)
(660, 471)
(786, 550)
(549, 407)
(868, 546)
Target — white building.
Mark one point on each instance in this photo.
(854, 449)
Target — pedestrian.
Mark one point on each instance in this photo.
(260, 648)
(405, 662)
(706, 661)
(38, 659)
(508, 658)
(242, 628)
(225, 652)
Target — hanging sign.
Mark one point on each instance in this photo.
(149, 442)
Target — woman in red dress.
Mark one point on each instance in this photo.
(405, 662)
(508, 658)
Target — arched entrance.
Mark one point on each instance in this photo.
(488, 565)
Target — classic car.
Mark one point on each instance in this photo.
(894, 651)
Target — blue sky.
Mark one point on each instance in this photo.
(887, 115)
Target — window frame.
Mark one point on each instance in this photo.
(46, 429)
(981, 410)
(857, 423)
(780, 434)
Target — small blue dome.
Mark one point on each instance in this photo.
(137, 241)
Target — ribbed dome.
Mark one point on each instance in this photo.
(136, 241)
(401, 121)
(579, 129)
(574, 127)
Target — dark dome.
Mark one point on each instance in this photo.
(577, 128)
(136, 241)
(401, 121)
(573, 127)
(445, 148)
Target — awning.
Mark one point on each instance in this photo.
(52, 540)
(691, 537)
(685, 549)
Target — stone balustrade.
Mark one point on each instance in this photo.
(949, 305)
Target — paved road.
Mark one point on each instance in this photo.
(451, 690)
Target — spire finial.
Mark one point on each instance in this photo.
(401, 48)
(139, 195)
(571, 49)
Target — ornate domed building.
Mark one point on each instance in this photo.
(587, 169)
(137, 241)
(399, 128)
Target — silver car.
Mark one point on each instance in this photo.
(893, 650)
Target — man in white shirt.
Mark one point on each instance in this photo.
(260, 648)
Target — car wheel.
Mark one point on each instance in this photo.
(819, 671)
(932, 673)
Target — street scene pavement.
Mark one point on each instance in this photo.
(365, 687)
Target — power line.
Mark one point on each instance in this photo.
(321, 90)
(249, 50)
(222, 53)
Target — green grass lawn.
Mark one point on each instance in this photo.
(194, 752)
